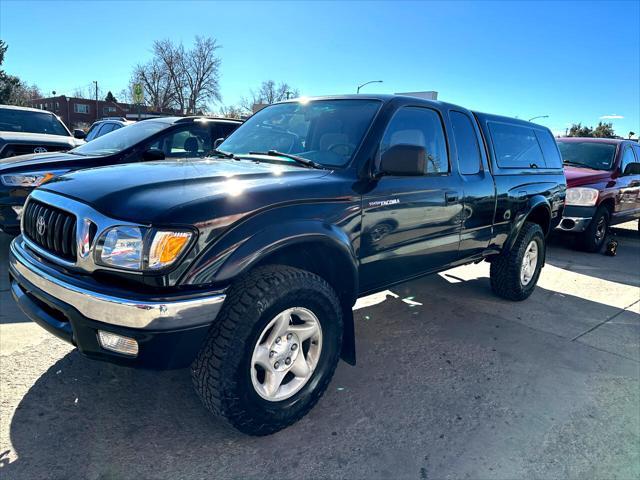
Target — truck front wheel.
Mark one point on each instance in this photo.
(514, 274)
(273, 350)
(594, 236)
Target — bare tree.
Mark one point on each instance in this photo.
(170, 55)
(268, 93)
(88, 92)
(155, 80)
(231, 111)
(202, 73)
(193, 74)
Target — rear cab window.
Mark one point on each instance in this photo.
(517, 147)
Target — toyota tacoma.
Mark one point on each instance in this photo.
(246, 265)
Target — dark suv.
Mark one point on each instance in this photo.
(603, 180)
(157, 139)
(247, 266)
(29, 130)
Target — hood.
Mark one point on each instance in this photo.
(187, 192)
(40, 138)
(583, 176)
(40, 161)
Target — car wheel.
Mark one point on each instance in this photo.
(595, 234)
(514, 274)
(273, 349)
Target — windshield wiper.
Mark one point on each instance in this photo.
(301, 160)
(220, 153)
(569, 162)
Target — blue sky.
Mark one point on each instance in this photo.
(573, 61)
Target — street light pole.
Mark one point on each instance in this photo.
(539, 116)
(367, 83)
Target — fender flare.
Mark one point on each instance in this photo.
(242, 255)
(534, 203)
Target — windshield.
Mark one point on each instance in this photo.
(30, 122)
(120, 139)
(598, 156)
(327, 132)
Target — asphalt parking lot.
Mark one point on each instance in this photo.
(451, 382)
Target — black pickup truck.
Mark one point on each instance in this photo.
(246, 265)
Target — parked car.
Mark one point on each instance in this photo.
(29, 130)
(603, 179)
(106, 125)
(172, 137)
(247, 267)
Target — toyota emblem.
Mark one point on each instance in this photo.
(39, 150)
(40, 225)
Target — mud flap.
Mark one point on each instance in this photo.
(348, 353)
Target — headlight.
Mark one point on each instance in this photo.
(583, 197)
(124, 247)
(31, 179)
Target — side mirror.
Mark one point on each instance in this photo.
(78, 133)
(404, 160)
(217, 143)
(153, 154)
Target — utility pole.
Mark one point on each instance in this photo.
(96, 84)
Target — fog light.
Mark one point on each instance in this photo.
(18, 210)
(118, 343)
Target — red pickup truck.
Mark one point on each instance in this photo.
(603, 186)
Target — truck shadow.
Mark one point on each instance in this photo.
(87, 419)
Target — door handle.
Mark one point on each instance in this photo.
(451, 197)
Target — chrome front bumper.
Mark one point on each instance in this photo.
(131, 312)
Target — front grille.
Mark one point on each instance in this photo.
(59, 233)
(14, 149)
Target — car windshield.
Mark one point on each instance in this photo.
(120, 139)
(326, 132)
(29, 121)
(598, 156)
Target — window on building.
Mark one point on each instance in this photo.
(108, 110)
(81, 108)
(57, 105)
(421, 127)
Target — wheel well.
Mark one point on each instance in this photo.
(609, 204)
(328, 262)
(541, 216)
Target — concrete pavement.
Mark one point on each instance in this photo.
(451, 382)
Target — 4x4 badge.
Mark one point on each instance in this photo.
(40, 225)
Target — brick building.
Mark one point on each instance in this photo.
(81, 112)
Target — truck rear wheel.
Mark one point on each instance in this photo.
(514, 274)
(273, 350)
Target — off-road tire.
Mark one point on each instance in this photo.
(505, 268)
(221, 372)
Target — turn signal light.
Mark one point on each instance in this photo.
(118, 343)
